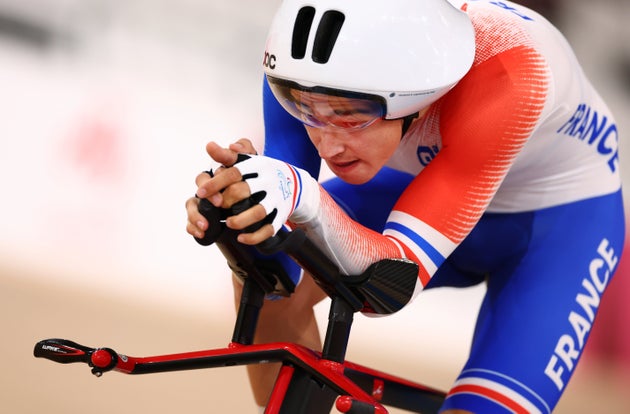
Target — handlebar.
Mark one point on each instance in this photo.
(64, 351)
(384, 288)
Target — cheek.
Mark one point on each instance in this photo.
(383, 143)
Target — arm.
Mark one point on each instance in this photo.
(484, 124)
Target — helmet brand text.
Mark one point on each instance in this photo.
(269, 61)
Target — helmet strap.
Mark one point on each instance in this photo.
(407, 123)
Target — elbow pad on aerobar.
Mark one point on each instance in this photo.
(285, 192)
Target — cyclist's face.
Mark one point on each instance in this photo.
(356, 155)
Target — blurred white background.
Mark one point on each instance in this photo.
(105, 109)
(107, 106)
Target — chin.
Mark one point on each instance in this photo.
(356, 179)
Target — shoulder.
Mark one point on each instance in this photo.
(502, 26)
(510, 60)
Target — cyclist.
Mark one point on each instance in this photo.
(465, 139)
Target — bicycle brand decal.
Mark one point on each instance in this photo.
(570, 345)
(378, 388)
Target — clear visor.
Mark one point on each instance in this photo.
(326, 107)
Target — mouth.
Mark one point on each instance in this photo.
(342, 166)
(352, 172)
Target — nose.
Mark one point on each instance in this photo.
(328, 143)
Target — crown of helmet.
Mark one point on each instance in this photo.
(409, 52)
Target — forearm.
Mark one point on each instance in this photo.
(350, 245)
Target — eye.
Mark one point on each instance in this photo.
(353, 123)
(311, 120)
(349, 124)
(303, 108)
(344, 112)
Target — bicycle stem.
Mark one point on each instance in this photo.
(252, 298)
(340, 320)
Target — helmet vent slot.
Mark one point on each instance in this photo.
(301, 29)
(326, 36)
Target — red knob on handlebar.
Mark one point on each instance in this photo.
(101, 358)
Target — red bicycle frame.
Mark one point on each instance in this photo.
(309, 382)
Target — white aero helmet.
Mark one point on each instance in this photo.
(401, 54)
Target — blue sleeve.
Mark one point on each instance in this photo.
(285, 136)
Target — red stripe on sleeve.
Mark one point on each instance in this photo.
(490, 394)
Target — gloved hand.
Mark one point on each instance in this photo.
(286, 192)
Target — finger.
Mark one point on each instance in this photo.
(258, 236)
(248, 217)
(221, 155)
(194, 231)
(212, 188)
(196, 224)
(234, 193)
(202, 178)
(244, 146)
